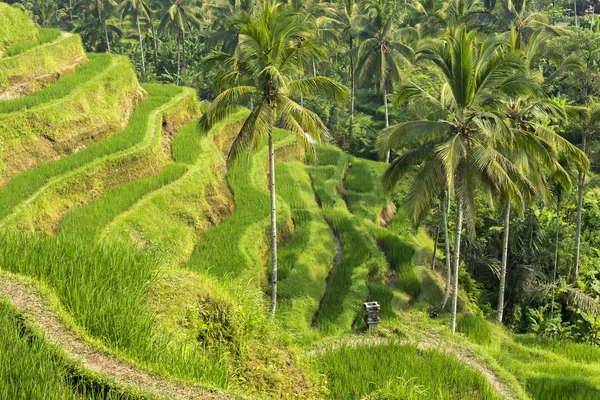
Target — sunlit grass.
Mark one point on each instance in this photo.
(46, 35)
(395, 371)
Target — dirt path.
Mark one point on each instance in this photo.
(466, 356)
(24, 297)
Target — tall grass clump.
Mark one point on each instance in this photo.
(395, 371)
(475, 328)
(103, 287)
(86, 222)
(97, 64)
(32, 368)
(305, 259)
(46, 35)
(24, 185)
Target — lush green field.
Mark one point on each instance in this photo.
(396, 371)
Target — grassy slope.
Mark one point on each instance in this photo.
(87, 106)
(15, 27)
(134, 153)
(39, 66)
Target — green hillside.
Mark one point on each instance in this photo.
(135, 256)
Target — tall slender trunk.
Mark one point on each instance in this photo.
(459, 222)
(154, 37)
(580, 183)
(314, 68)
(555, 255)
(102, 16)
(575, 12)
(273, 223)
(435, 245)
(183, 51)
(387, 119)
(137, 20)
(178, 57)
(592, 18)
(71, 10)
(352, 84)
(502, 289)
(448, 255)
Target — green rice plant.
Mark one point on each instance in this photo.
(366, 371)
(32, 368)
(234, 249)
(305, 259)
(15, 27)
(49, 59)
(577, 352)
(26, 184)
(187, 145)
(93, 111)
(46, 35)
(97, 64)
(360, 259)
(105, 288)
(43, 211)
(548, 375)
(86, 222)
(171, 219)
(475, 328)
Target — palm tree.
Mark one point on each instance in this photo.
(178, 16)
(534, 151)
(590, 123)
(457, 146)
(380, 55)
(136, 9)
(270, 55)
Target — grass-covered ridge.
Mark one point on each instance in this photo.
(15, 27)
(39, 66)
(46, 35)
(91, 111)
(132, 154)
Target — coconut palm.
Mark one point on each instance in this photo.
(380, 55)
(590, 124)
(535, 151)
(178, 17)
(271, 47)
(137, 9)
(457, 146)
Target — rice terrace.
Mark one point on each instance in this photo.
(263, 199)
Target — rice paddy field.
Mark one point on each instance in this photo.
(154, 249)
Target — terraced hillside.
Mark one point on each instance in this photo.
(134, 257)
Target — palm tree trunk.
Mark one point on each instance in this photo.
(448, 256)
(575, 12)
(183, 50)
(555, 255)
(137, 20)
(155, 46)
(459, 222)
(502, 289)
(387, 119)
(352, 84)
(102, 17)
(435, 245)
(178, 57)
(580, 182)
(273, 223)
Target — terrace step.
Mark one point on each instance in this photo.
(40, 66)
(45, 126)
(42, 313)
